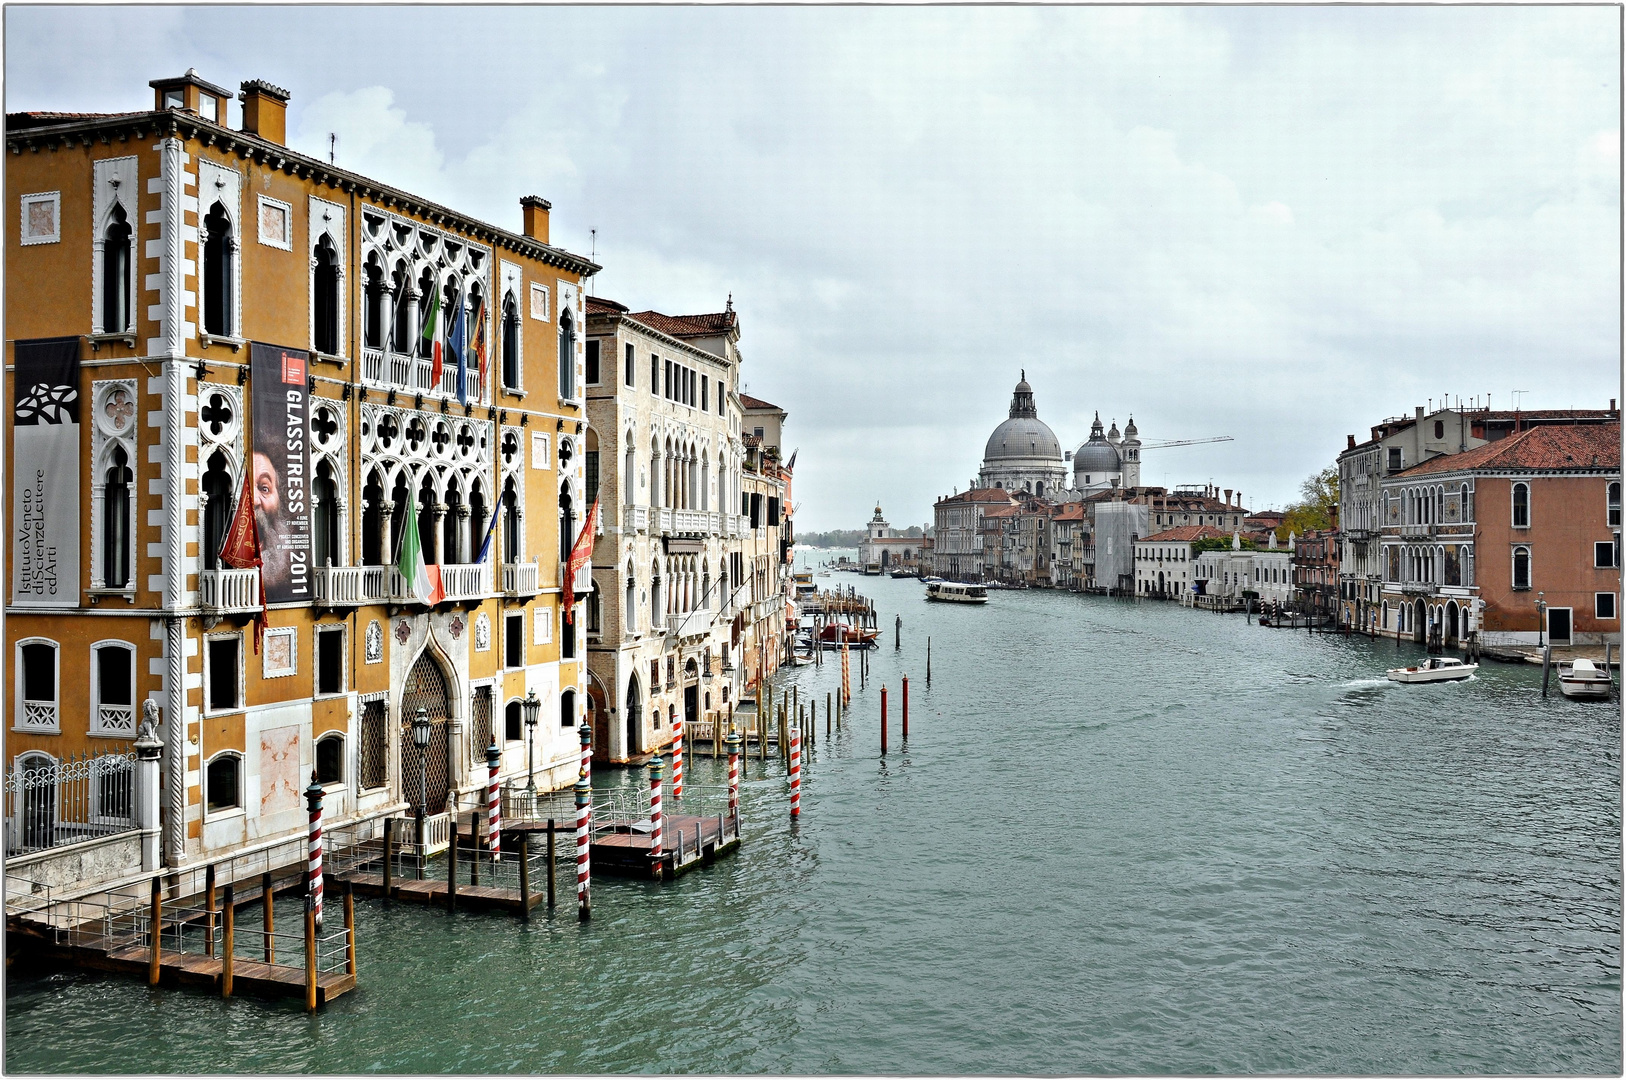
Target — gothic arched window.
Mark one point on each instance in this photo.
(510, 342)
(217, 272)
(217, 488)
(116, 522)
(325, 298)
(116, 273)
(567, 353)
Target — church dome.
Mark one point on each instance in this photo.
(1096, 456)
(1024, 435)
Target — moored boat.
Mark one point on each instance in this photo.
(1434, 669)
(1583, 679)
(956, 592)
(835, 633)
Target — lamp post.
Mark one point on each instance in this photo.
(420, 739)
(533, 707)
(1541, 619)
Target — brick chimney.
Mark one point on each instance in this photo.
(1227, 496)
(1352, 442)
(265, 111)
(536, 210)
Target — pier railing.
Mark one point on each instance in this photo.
(79, 798)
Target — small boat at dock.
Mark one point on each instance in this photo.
(1583, 679)
(1434, 669)
(835, 633)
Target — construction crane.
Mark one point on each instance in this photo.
(1184, 442)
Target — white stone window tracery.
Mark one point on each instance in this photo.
(326, 226)
(220, 464)
(114, 406)
(114, 203)
(222, 186)
(450, 455)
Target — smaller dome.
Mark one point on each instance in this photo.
(1112, 432)
(1096, 456)
(1131, 432)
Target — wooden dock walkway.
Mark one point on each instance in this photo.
(688, 842)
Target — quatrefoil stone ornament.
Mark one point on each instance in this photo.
(119, 408)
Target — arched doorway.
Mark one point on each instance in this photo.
(691, 693)
(425, 689)
(886, 558)
(1420, 622)
(1451, 619)
(634, 712)
(598, 717)
(1160, 584)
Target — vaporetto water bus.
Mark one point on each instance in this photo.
(956, 592)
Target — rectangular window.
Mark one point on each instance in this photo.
(1605, 605)
(756, 511)
(629, 366)
(591, 465)
(1603, 554)
(654, 373)
(330, 660)
(114, 709)
(514, 640)
(703, 399)
(773, 510)
(1394, 459)
(225, 672)
(667, 384)
(592, 363)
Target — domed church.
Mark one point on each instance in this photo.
(1107, 460)
(1023, 454)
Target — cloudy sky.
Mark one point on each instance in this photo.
(1277, 224)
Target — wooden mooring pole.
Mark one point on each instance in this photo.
(350, 929)
(227, 941)
(928, 661)
(157, 934)
(310, 952)
(906, 708)
(451, 870)
(552, 864)
(883, 720)
(474, 846)
(827, 714)
(525, 872)
(389, 854)
(1546, 667)
(266, 896)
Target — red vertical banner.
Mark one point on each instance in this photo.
(280, 470)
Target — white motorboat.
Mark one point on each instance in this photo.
(1434, 669)
(1583, 679)
(956, 592)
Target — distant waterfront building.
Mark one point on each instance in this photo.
(883, 547)
(957, 532)
(1165, 561)
(1400, 443)
(1517, 539)
(686, 537)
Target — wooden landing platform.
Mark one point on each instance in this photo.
(197, 972)
(433, 892)
(627, 853)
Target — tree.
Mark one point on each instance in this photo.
(1319, 507)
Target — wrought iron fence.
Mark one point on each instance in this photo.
(79, 798)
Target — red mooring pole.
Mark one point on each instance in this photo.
(906, 708)
(883, 720)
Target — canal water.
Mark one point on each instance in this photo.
(1121, 838)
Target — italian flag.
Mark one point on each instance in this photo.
(422, 582)
(431, 334)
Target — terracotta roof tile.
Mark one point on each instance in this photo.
(1184, 534)
(601, 305)
(688, 326)
(750, 402)
(1548, 448)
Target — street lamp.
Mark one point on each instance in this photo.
(1541, 619)
(533, 707)
(420, 739)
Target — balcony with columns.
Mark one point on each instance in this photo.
(229, 591)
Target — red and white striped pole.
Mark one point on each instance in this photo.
(313, 801)
(733, 744)
(656, 767)
(493, 805)
(795, 773)
(587, 751)
(677, 758)
(584, 828)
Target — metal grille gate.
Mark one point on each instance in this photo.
(482, 723)
(374, 742)
(425, 689)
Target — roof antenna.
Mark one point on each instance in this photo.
(332, 147)
(593, 257)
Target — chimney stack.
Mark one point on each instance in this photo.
(1352, 442)
(265, 111)
(535, 211)
(1239, 498)
(1227, 496)
(1419, 412)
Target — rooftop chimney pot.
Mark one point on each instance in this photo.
(265, 111)
(1352, 442)
(535, 211)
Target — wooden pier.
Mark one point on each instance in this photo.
(688, 841)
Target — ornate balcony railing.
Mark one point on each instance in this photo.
(520, 579)
(348, 586)
(635, 518)
(465, 581)
(230, 590)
